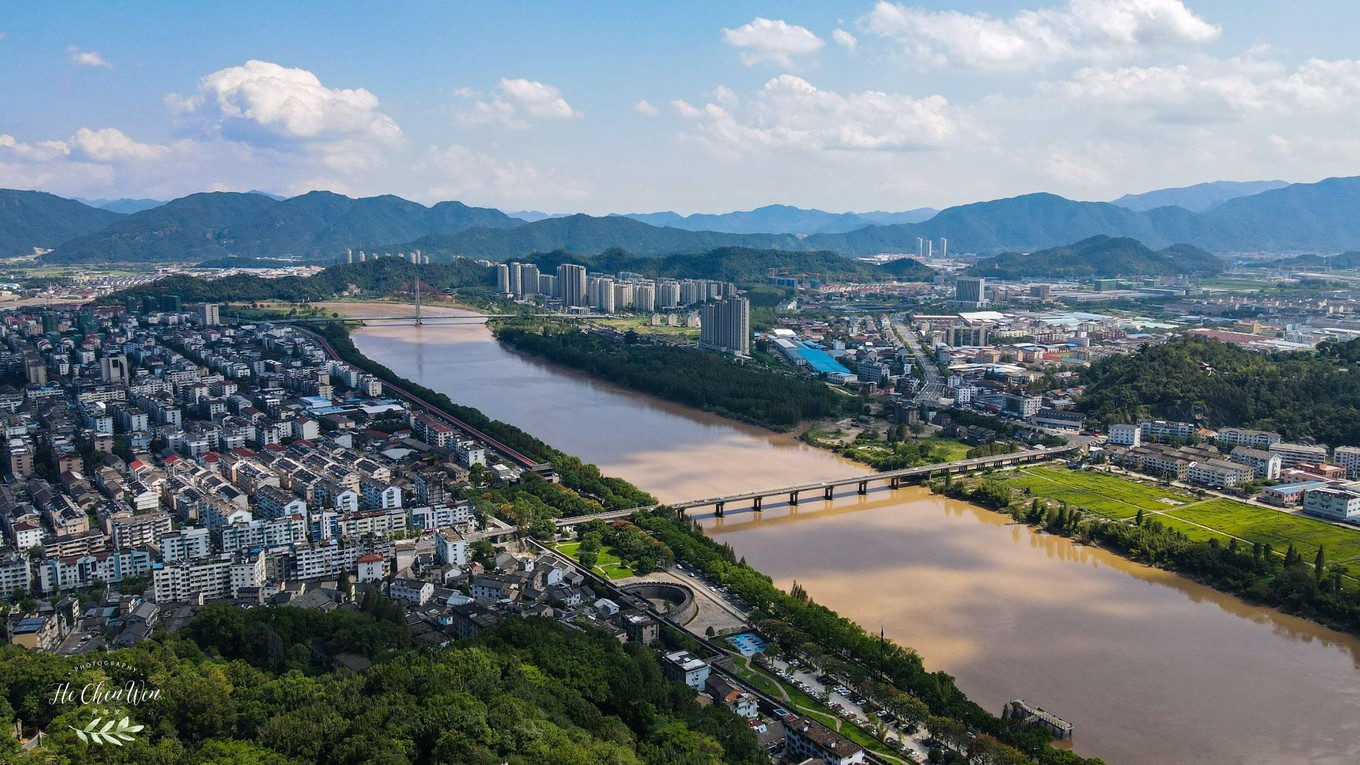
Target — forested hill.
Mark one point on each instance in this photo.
(1099, 256)
(242, 688)
(1191, 378)
(739, 264)
(315, 225)
(31, 219)
(376, 278)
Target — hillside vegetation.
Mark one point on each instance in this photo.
(242, 688)
(1296, 394)
(1099, 256)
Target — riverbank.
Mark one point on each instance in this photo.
(944, 699)
(1118, 648)
(1138, 526)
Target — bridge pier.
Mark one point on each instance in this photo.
(896, 481)
(793, 498)
(756, 506)
(718, 509)
(863, 487)
(830, 493)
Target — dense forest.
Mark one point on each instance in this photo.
(528, 691)
(1199, 379)
(376, 278)
(1099, 256)
(709, 381)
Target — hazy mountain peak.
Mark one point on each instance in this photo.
(1200, 197)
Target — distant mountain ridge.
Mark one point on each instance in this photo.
(122, 205)
(1099, 256)
(315, 225)
(31, 219)
(1321, 217)
(781, 219)
(1201, 197)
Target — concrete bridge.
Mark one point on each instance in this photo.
(894, 478)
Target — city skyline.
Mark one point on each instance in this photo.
(852, 106)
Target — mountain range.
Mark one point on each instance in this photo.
(317, 225)
(1315, 217)
(1099, 256)
(782, 219)
(1201, 197)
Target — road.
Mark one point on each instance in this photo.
(934, 381)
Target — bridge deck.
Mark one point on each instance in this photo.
(961, 465)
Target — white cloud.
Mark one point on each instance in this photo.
(1080, 30)
(86, 58)
(112, 145)
(772, 41)
(643, 106)
(1207, 90)
(789, 112)
(515, 103)
(270, 106)
(845, 39)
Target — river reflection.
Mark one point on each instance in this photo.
(1133, 656)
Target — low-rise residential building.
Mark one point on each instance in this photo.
(1293, 454)
(1123, 434)
(1264, 464)
(411, 590)
(806, 739)
(684, 667)
(1163, 430)
(1348, 457)
(1219, 474)
(1256, 439)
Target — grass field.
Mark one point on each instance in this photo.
(607, 565)
(1223, 519)
(1257, 524)
(1099, 493)
(643, 327)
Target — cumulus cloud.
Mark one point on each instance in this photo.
(790, 112)
(772, 41)
(112, 145)
(1210, 90)
(515, 103)
(845, 39)
(1080, 30)
(643, 106)
(270, 106)
(86, 58)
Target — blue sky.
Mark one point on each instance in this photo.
(694, 107)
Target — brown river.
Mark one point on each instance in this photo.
(1149, 667)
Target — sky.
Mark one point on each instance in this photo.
(694, 107)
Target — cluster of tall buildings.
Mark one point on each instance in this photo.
(414, 257)
(575, 288)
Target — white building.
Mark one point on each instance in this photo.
(1256, 439)
(1348, 457)
(1162, 429)
(1264, 464)
(1219, 474)
(450, 547)
(1336, 504)
(412, 591)
(1123, 434)
(684, 667)
(1293, 454)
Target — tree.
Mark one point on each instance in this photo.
(1319, 563)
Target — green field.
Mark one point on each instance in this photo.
(1102, 494)
(1223, 519)
(643, 326)
(1258, 524)
(607, 565)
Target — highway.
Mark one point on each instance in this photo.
(934, 381)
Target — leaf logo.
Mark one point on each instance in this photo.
(113, 732)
